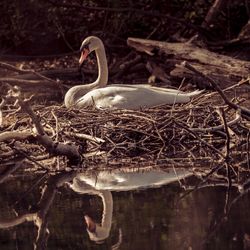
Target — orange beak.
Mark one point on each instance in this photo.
(84, 55)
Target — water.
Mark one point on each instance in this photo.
(152, 215)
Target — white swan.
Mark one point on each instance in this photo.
(105, 181)
(117, 96)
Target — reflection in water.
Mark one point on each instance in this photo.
(103, 182)
(140, 218)
(40, 216)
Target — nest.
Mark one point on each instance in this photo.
(195, 134)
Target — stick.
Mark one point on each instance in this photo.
(55, 148)
(244, 110)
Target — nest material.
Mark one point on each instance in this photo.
(194, 134)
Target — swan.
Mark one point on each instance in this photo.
(117, 96)
(102, 183)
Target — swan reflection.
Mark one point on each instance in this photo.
(104, 182)
(48, 212)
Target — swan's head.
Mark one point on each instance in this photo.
(96, 232)
(89, 45)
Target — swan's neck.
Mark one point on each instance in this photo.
(102, 79)
(75, 93)
(107, 201)
(102, 231)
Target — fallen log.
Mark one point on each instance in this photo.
(223, 69)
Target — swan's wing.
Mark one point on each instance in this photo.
(113, 96)
(147, 86)
(132, 97)
(161, 90)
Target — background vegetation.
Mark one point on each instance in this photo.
(52, 26)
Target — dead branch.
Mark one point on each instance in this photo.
(31, 80)
(213, 12)
(15, 135)
(244, 110)
(223, 118)
(1, 113)
(54, 148)
(223, 69)
(13, 68)
(86, 137)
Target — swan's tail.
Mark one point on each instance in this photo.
(195, 93)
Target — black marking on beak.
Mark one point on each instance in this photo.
(84, 46)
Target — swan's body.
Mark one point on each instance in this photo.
(105, 181)
(120, 96)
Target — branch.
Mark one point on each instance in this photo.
(213, 12)
(244, 110)
(16, 135)
(1, 113)
(55, 148)
(13, 68)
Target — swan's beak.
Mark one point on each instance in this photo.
(91, 225)
(84, 54)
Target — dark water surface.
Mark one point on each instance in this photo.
(140, 211)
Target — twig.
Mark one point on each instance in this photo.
(229, 188)
(63, 36)
(86, 137)
(56, 124)
(1, 113)
(22, 152)
(248, 149)
(238, 84)
(197, 137)
(17, 80)
(205, 179)
(223, 117)
(16, 135)
(244, 110)
(219, 127)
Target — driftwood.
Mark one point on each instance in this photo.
(223, 69)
